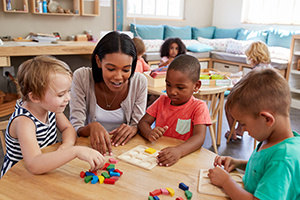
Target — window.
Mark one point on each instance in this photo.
(155, 9)
(271, 11)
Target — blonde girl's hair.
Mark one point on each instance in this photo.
(34, 75)
(139, 45)
(260, 90)
(258, 52)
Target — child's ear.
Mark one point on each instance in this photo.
(268, 117)
(98, 61)
(197, 86)
(33, 98)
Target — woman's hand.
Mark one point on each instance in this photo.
(99, 138)
(122, 134)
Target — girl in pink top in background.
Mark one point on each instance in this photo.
(171, 48)
(141, 65)
(178, 114)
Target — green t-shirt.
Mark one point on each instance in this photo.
(274, 173)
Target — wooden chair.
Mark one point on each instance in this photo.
(3, 126)
(214, 98)
(231, 132)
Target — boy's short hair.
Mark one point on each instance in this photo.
(34, 75)
(258, 52)
(139, 45)
(187, 64)
(260, 90)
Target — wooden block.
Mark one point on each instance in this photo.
(171, 191)
(150, 198)
(120, 172)
(156, 198)
(89, 173)
(164, 191)
(115, 177)
(101, 179)
(94, 172)
(105, 174)
(88, 179)
(188, 194)
(138, 157)
(113, 161)
(114, 174)
(155, 192)
(82, 174)
(183, 186)
(179, 198)
(150, 150)
(105, 166)
(111, 166)
(94, 180)
(109, 181)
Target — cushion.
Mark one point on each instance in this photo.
(152, 45)
(237, 46)
(253, 35)
(280, 38)
(184, 33)
(226, 33)
(147, 31)
(279, 53)
(218, 44)
(189, 42)
(199, 47)
(206, 32)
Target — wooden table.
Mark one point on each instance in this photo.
(203, 91)
(12, 48)
(135, 183)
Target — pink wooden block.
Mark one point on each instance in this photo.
(113, 161)
(115, 177)
(164, 191)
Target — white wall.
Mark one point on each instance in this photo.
(227, 14)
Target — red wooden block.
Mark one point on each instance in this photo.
(109, 181)
(155, 192)
(116, 170)
(94, 172)
(105, 166)
(82, 174)
(179, 198)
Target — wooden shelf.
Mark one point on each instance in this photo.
(294, 80)
(73, 5)
(89, 8)
(16, 6)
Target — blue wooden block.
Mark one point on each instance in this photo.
(114, 174)
(156, 198)
(95, 179)
(111, 170)
(183, 186)
(89, 173)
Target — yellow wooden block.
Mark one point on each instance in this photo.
(150, 150)
(101, 179)
(171, 191)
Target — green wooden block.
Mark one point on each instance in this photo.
(150, 198)
(188, 194)
(105, 174)
(110, 167)
(88, 179)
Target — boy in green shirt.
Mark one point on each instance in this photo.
(261, 103)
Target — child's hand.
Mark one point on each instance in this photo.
(93, 157)
(228, 163)
(168, 156)
(65, 145)
(218, 176)
(156, 133)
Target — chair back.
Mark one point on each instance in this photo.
(3, 126)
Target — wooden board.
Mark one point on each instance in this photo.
(206, 187)
(137, 156)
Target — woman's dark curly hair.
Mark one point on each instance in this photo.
(113, 42)
(165, 47)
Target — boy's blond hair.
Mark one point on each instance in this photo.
(260, 90)
(139, 45)
(258, 52)
(34, 75)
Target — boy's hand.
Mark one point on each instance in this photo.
(156, 133)
(228, 163)
(93, 157)
(168, 156)
(218, 176)
(122, 134)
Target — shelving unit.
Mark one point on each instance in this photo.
(294, 74)
(73, 5)
(89, 7)
(16, 6)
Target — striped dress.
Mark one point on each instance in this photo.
(45, 134)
